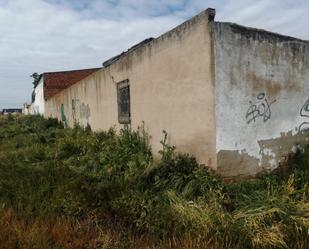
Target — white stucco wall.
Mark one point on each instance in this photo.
(38, 106)
(261, 88)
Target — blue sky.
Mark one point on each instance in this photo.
(51, 35)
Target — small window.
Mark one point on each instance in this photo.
(123, 99)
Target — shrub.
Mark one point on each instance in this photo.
(47, 171)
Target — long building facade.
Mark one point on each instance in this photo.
(234, 97)
(50, 83)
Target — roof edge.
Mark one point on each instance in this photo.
(73, 70)
(258, 30)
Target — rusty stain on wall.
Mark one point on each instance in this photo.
(271, 87)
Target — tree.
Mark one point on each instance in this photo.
(36, 78)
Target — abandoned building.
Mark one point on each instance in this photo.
(234, 97)
(50, 83)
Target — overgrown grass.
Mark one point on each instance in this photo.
(74, 188)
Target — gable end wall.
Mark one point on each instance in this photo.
(262, 92)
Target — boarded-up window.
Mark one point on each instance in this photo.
(123, 99)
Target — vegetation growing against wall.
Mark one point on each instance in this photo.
(73, 188)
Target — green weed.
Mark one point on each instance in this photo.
(48, 173)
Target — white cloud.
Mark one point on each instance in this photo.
(49, 35)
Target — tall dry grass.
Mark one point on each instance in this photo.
(73, 188)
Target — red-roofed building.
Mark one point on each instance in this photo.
(51, 83)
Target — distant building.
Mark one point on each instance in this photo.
(51, 83)
(233, 96)
(11, 111)
(26, 109)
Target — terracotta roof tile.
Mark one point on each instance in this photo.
(55, 82)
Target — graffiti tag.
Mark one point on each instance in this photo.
(84, 111)
(260, 108)
(75, 105)
(304, 112)
(63, 117)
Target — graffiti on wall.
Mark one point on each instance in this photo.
(63, 117)
(260, 108)
(304, 112)
(80, 110)
(84, 111)
(75, 107)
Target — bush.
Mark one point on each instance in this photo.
(48, 171)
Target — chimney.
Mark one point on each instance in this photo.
(211, 14)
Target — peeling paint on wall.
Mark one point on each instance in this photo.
(261, 81)
(237, 163)
(279, 148)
